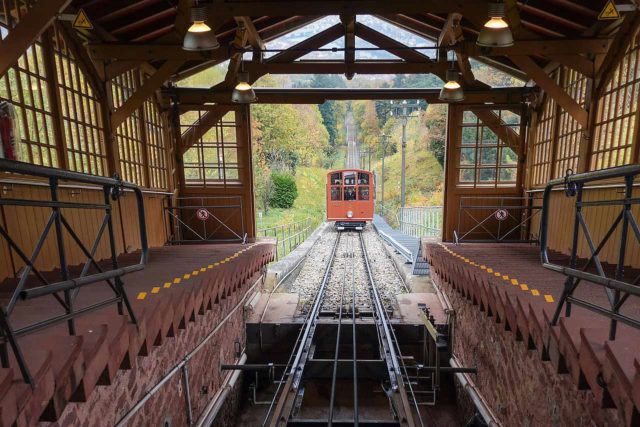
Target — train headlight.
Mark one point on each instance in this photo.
(349, 214)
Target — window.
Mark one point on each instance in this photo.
(615, 119)
(81, 116)
(128, 135)
(156, 147)
(363, 193)
(349, 193)
(542, 146)
(213, 160)
(336, 193)
(485, 161)
(25, 86)
(569, 130)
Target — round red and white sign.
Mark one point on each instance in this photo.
(202, 214)
(501, 214)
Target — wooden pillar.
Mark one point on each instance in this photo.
(243, 123)
(450, 168)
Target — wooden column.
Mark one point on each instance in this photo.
(243, 123)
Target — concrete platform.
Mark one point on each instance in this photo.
(508, 283)
(178, 283)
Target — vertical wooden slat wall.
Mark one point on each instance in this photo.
(25, 224)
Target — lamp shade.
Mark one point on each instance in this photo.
(452, 91)
(243, 92)
(199, 36)
(496, 31)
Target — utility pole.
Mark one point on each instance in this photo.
(403, 120)
(383, 140)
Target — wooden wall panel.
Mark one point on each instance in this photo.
(598, 219)
(25, 224)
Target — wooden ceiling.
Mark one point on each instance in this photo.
(148, 22)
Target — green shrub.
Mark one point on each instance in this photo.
(285, 190)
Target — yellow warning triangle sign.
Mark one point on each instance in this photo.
(81, 21)
(609, 12)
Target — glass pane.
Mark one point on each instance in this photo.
(469, 135)
(508, 156)
(488, 156)
(467, 175)
(350, 179)
(467, 156)
(469, 118)
(488, 137)
(336, 192)
(363, 178)
(335, 179)
(363, 193)
(508, 174)
(349, 193)
(487, 175)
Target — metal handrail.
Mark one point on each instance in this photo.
(617, 289)
(293, 233)
(112, 189)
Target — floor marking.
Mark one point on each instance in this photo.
(142, 295)
(167, 285)
(523, 286)
(155, 290)
(176, 280)
(195, 272)
(186, 276)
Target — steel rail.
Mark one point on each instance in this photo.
(391, 356)
(356, 414)
(336, 354)
(303, 342)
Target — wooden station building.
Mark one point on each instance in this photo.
(111, 167)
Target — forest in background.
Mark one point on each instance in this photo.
(305, 141)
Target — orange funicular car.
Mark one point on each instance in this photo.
(350, 198)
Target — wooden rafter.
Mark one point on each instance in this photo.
(152, 52)
(306, 46)
(392, 46)
(253, 36)
(339, 67)
(20, 37)
(543, 80)
(629, 27)
(349, 22)
(152, 84)
(451, 35)
(506, 134)
(196, 97)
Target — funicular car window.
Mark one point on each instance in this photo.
(363, 193)
(350, 193)
(363, 178)
(336, 178)
(336, 193)
(349, 178)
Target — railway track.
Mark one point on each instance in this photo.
(346, 342)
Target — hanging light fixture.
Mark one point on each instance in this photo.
(452, 91)
(199, 36)
(496, 32)
(243, 93)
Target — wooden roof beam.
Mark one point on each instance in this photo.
(452, 34)
(147, 89)
(540, 77)
(503, 131)
(337, 7)
(309, 45)
(202, 126)
(627, 30)
(339, 67)
(197, 97)
(349, 22)
(153, 52)
(28, 29)
(392, 46)
(252, 33)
